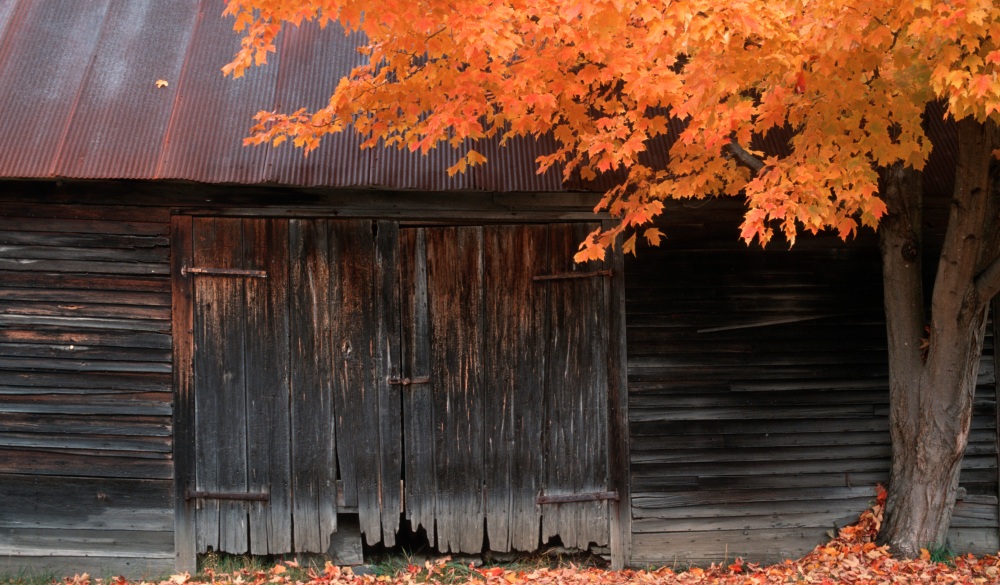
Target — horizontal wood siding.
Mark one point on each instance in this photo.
(758, 399)
(85, 388)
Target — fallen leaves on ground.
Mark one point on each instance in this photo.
(852, 558)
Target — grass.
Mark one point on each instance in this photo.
(28, 577)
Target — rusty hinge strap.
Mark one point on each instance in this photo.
(223, 271)
(568, 275)
(408, 381)
(198, 495)
(591, 497)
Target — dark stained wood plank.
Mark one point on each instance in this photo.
(266, 355)
(220, 386)
(418, 401)
(84, 280)
(576, 396)
(85, 323)
(69, 296)
(83, 226)
(82, 441)
(387, 366)
(514, 374)
(95, 267)
(356, 397)
(22, 238)
(84, 353)
(995, 331)
(31, 207)
(56, 424)
(454, 285)
(112, 381)
(50, 502)
(144, 255)
(103, 339)
(75, 365)
(313, 447)
(83, 464)
(123, 403)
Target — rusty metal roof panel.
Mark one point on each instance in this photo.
(313, 60)
(46, 52)
(212, 113)
(513, 166)
(6, 19)
(121, 119)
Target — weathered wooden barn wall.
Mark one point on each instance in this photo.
(758, 397)
(85, 387)
(88, 407)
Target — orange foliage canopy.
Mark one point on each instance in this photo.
(851, 78)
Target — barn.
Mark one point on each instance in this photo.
(209, 347)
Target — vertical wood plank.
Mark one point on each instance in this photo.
(618, 432)
(576, 444)
(182, 329)
(356, 396)
(387, 343)
(265, 243)
(418, 404)
(454, 284)
(995, 312)
(514, 368)
(220, 391)
(314, 497)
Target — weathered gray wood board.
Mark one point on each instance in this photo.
(758, 400)
(576, 419)
(85, 391)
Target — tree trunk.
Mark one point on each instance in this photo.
(933, 371)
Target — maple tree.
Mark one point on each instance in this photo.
(850, 79)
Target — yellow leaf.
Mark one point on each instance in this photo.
(161, 83)
(629, 246)
(653, 236)
(925, 555)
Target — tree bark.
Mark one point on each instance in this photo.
(932, 372)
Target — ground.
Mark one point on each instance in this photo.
(851, 558)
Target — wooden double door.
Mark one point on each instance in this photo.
(455, 377)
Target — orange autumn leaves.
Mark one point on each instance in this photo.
(850, 78)
(852, 558)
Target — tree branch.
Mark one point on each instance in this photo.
(744, 157)
(987, 282)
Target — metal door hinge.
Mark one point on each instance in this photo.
(408, 381)
(243, 496)
(205, 271)
(568, 275)
(589, 497)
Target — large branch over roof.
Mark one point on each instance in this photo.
(744, 157)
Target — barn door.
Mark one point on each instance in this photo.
(505, 403)
(295, 338)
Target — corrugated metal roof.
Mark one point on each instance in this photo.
(78, 88)
(79, 100)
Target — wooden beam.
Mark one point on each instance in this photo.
(995, 313)
(618, 430)
(182, 248)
